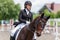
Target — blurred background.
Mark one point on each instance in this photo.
(10, 9)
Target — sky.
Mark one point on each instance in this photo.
(36, 4)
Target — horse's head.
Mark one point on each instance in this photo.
(40, 23)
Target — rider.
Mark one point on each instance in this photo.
(26, 15)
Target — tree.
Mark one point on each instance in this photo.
(35, 15)
(8, 9)
(58, 14)
(47, 13)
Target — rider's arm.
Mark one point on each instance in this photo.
(20, 17)
(31, 17)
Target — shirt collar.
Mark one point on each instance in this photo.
(27, 11)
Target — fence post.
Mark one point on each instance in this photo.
(57, 38)
(2, 25)
(11, 23)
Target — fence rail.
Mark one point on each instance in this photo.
(51, 27)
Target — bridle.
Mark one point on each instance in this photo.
(42, 24)
(34, 28)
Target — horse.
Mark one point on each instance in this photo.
(37, 25)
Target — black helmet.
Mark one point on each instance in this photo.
(28, 3)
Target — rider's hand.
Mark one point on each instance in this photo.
(27, 22)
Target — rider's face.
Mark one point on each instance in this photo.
(28, 7)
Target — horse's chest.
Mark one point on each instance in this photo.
(30, 36)
(25, 35)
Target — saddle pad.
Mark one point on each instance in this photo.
(20, 26)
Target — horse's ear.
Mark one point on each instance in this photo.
(42, 15)
(48, 17)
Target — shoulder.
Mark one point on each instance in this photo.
(23, 10)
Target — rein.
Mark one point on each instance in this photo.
(30, 29)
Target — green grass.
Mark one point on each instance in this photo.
(59, 24)
(51, 23)
(35, 15)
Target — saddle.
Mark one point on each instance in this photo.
(16, 23)
(15, 32)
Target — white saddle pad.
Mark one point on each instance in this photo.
(20, 26)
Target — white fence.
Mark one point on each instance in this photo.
(53, 25)
(6, 26)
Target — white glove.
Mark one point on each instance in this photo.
(27, 22)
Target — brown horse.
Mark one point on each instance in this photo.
(36, 25)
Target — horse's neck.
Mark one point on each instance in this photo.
(30, 27)
(30, 33)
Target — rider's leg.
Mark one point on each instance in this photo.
(16, 28)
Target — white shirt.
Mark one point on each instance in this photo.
(27, 11)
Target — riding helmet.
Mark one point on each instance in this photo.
(28, 3)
